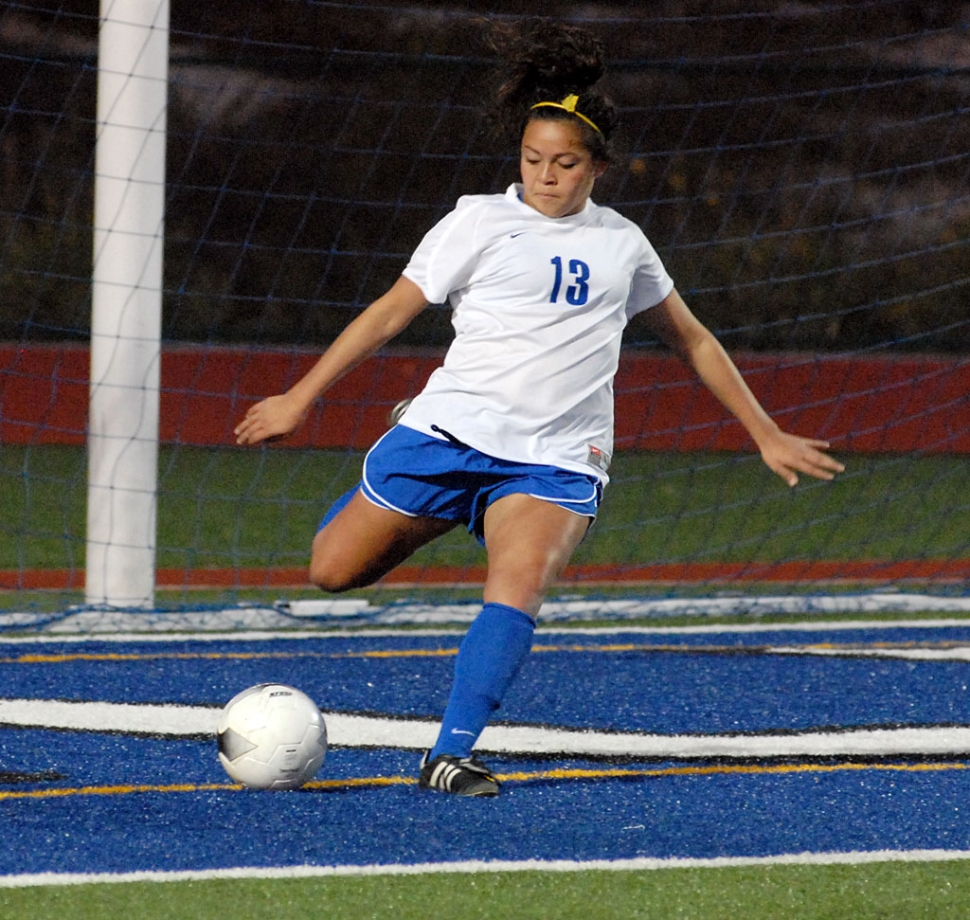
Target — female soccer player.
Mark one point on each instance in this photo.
(512, 435)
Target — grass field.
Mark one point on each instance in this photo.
(228, 507)
(877, 891)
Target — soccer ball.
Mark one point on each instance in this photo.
(272, 737)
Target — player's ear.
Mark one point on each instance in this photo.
(599, 167)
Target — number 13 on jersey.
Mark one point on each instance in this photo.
(577, 293)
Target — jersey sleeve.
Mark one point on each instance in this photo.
(445, 259)
(651, 283)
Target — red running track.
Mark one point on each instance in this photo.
(888, 403)
(936, 571)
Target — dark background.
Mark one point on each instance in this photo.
(801, 167)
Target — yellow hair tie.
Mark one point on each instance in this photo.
(569, 105)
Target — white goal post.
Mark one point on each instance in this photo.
(127, 302)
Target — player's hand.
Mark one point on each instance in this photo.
(272, 418)
(788, 455)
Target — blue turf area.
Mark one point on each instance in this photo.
(715, 683)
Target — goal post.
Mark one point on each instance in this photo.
(129, 200)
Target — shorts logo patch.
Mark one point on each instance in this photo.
(598, 458)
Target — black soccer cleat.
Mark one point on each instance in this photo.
(457, 775)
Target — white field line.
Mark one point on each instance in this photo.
(327, 611)
(959, 653)
(414, 734)
(642, 864)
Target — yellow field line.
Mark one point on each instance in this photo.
(565, 773)
(64, 658)
(67, 657)
(613, 648)
(727, 769)
(69, 792)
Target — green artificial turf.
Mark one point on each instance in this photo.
(242, 508)
(877, 891)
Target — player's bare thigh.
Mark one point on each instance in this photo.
(364, 542)
(529, 543)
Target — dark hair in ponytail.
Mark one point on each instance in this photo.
(546, 61)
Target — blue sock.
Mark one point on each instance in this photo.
(496, 644)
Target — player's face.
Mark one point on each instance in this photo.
(557, 170)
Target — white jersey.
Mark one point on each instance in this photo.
(539, 308)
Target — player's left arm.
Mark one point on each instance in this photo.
(786, 454)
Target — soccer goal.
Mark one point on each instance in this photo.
(195, 202)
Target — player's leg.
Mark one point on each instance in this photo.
(529, 543)
(363, 542)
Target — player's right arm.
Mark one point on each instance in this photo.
(281, 415)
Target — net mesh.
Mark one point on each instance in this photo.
(802, 168)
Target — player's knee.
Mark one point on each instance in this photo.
(331, 578)
(520, 593)
(329, 567)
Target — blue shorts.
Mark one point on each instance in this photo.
(422, 476)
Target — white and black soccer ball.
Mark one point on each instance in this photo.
(272, 737)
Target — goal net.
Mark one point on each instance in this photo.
(802, 168)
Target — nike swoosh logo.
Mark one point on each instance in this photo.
(512, 236)
(460, 731)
